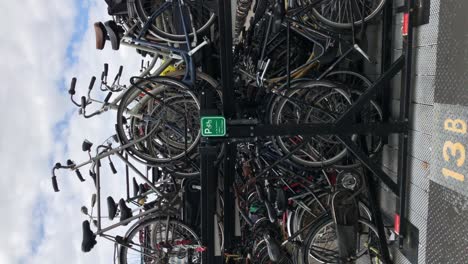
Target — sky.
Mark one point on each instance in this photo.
(43, 44)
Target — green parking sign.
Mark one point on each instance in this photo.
(213, 126)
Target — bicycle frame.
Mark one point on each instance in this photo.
(318, 36)
(186, 55)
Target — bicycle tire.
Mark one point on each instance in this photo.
(356, 89)
(157, 32)
(323, 162)
(150, 221)
(131, 94)
(338, 25)
(324, 221)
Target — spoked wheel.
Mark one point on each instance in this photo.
(160, 240)
(307, 212)
(188, 166)
(355, 84)
(314, 102)
(321, 245)
(261, 255)
(343, 14)
(159, 117)
(168, 25)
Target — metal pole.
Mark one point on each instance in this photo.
(229, 107)
(386, 59)
(225, 43)
(209, 185)
(405, 101)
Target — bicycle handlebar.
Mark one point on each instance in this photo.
(54, 184)
(111, 164)
(71, 91)
(71, 164)
(120, 71)
(106, 69)
(83, 102)
(106, 100)
(119, 74)
(91, 83)
(80, 177)
(54, 178)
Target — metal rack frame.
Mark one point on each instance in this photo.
(237, 128)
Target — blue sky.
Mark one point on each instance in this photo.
(41, 51)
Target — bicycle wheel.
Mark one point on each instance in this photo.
(343, 14)
(165, 25)
(306, 212)
(160, 240)
(322, 245)
(164, 111)
(355, 84)
(313, 102)
(261, 255)
(189, 166)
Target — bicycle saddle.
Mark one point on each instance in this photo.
(101, 33)
(114, 33)
(125, 211)
(274, 251)
(143, 188)
(89, 238)
(111, 208)
(281, 200)
(136, 187)
(116, 7)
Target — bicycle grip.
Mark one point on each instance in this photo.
(71, 91)
(106, 69)
(83, 102)
(78, 174)
(111, 164)
(119, 74)
(54, 184)
(91, 83)
(93, 176)
(106, 100)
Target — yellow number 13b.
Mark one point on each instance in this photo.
(454, 150)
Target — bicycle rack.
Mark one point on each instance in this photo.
(238, 128)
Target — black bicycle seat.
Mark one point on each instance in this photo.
(117, 7)
(89, 238)
(125, 211)
(114, 33)
(111, 208)
(274, 251)
(281, 200)
(136, 187)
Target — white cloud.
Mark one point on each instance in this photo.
(33, 46)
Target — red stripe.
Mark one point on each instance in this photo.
(397, 224)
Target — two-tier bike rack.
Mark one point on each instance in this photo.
(342, 128)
